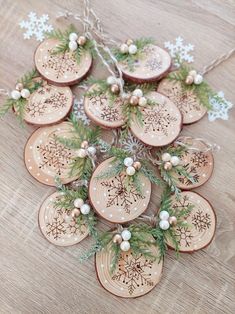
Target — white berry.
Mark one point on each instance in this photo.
(198, 79)
(130, 171)
(91, 150)
(85, 209)
(128, 161)
(25, 93)
(81, 153)
(126, 235)
(137, 92)
(164, 224)
(78, 202)
(142, 102)
(164, 215)
(166, 157)
(132, 49)
(111, 80)
(125, 246)
(192, 73)
(73, 36)
(175, 160)
(15, 94)
(124, 48)
(73, 45)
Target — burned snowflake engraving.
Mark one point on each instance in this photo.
(134, 272)
(201, 221)
(192, 172)
(56, 228)
(100, 100)
(183, 235)
(76, 229)
(110, 114)
(61, 63)
(54, 155)
(199, 159)
(153, 64)
(57, 100)
(157, 119)
(35, 109)
(119, 194)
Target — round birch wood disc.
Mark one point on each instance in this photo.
(161, 123)
(62, 68)
(133, 277)
(198, 163)
(112, 200)
(186, 101)
(102, 112)
(154, 63)
(46, 158)
(56, 226)
(201, 222)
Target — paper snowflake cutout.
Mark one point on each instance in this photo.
(36, 26)
(220, 107)
(78, 109)
(180, 49)
(134, 147)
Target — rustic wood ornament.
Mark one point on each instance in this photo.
(201, 222)
(186, 101)
(61, 68)
(46, 158)
(133, 277)
(102, 112)
(198, 163)
(56, 226)
(161, 124)
(115, 202)
(154, 63)
(48, 105)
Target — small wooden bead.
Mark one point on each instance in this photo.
(129, 42)
(134, 100)
(117, 238)
(189, 80)
(115, 88)
(81, 40)
(84, 144)
(167, 166)
(19, 87)
(173, 221)
(137, 165)
(75, 213)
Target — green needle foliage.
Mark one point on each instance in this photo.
(29, 82)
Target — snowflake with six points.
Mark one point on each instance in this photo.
(179, 48)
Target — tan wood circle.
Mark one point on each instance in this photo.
(162, 122)
(201, 222)
(154, 63)
(62, 68)
(56, 226)
(186, 101)
(133, 277)
(48, 105)
(46, 158)
(198, 163)
(112, 200)
(101, 112)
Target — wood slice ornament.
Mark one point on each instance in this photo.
(47, 105)
(56, 226)
(46, 158)
(60, 68)
(198, 162)
(133, 277)
(102, 112)
(186, 101)
(201, 222)
(115, 202)
(161, 123)
(151, 66)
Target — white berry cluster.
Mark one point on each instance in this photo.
(80, 208)
(19, 92)
(193, 77)
(86, 150)
(170, 161)
(137, 98)
(128, 47)
(114, 83)
(123, 240)
(131, 166)
(74, 41)
(166, 220)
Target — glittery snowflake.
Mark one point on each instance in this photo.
(180, 49)
(78, 109)
(201, 221)
(220, 107)
(134, 147)
(36, 26)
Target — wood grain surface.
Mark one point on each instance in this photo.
(37, 277)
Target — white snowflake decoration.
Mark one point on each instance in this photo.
(36, 26)
(180, 49)
(220, 107)
(78, 109)
(134, 147)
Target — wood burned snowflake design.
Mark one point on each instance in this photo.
(119, 194)
(200, 222)
(134, 272)
(186, 101)
(57, 227)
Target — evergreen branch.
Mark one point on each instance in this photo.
(148, 172)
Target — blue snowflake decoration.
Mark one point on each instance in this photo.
(220, 107)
